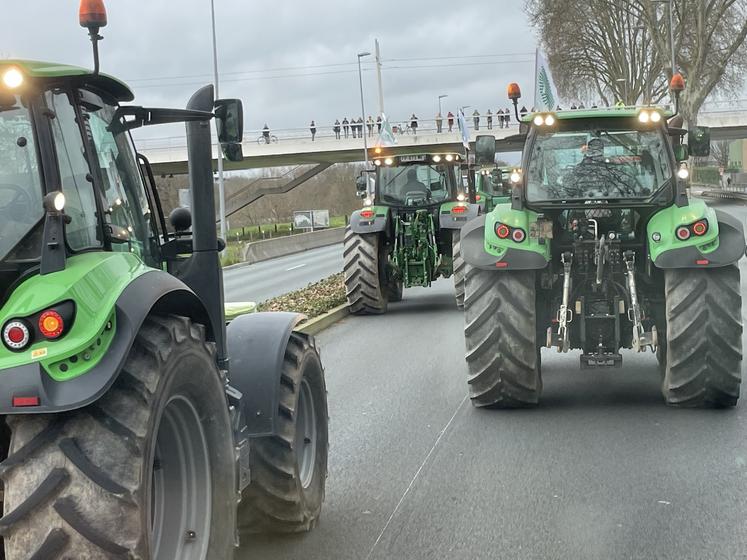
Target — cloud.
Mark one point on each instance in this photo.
(293, 61)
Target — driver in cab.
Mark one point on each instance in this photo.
(413, 188)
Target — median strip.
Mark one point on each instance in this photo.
(322, 302)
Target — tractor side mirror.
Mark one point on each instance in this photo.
(360, 185)
(485, 150)
(699, 141)
(229, 119)
(229, 115)
(680, 152)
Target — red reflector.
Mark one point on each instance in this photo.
(51, 324)
(702, 261)
(502, 231)
(26, 401)
(478, 198)
(16, 334)
(518, 235)
(458, 209)
(682, 233)
(367, 213)
(501, 264)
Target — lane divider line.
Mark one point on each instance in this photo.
(295, 267)
(415, 477)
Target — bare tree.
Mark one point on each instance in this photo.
(709, 45)
(598, 49)
(720, 153)
(604, 46)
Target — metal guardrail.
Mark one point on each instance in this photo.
(730, 192)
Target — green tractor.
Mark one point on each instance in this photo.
(600, 248)
(402, 237)
(137, 423)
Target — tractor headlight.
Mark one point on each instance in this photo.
(539, 120)
(683, 172)
(12, 78)
(644, 116)
(515, 176)
(461, 197)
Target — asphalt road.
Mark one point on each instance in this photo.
(263, 280)
(601, 470)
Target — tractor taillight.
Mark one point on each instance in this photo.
(16, 335)
(700, 228)
(458, 209)
(518, 235)
(683, 233)
(367, 214)
(502, 231)
(51, 324)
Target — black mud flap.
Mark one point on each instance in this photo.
(472, 240)
(256, 348)
(731, 248)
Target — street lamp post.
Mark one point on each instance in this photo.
(363, 108)
(440, 97)
(221, 185)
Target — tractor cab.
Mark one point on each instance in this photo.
(416, 181)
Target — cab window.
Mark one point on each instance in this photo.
(123, 189)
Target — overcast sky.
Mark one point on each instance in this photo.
(293, 61)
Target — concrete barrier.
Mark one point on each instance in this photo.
(280, 246)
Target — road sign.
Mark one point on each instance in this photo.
(303, 219)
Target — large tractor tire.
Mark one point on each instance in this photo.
(289, 469)
(394, 290)
(500, 334)
(458, 265)
(365, 274)
(147, 472)
(704, 337)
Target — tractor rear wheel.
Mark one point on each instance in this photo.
(365, 274)
(458, 265)
(146, 472)
(704, 337)
(500, 335)
(289, 469)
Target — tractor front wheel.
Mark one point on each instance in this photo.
(146, 472)
(365, 274)
(501, 338)
(289, 468)
(703, 356)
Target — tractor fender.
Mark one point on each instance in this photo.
(154, 291)
(731, 248)
(448, 220)
(472, 240)
(378, 223)
(256, 349)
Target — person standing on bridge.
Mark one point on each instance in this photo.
(266, 133)
(439, 123)
(345, 124)
(489, 119)
(378, 124)
(353, 128)
(499, 116)
(476, 119)
(312, 128)
(506, 116)
(414, 124)
(336, 128)
(370, 125)
(450, 120)
(360, 127)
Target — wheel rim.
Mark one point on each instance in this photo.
(305, 443)
(181, 493)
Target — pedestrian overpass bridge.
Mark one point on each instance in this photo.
(294, 147)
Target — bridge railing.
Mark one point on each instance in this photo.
(325, 133)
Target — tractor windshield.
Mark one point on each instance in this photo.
(416, 185)
(588, 162)
(20, 180)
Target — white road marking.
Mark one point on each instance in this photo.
(415, 477)
(295, 267)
